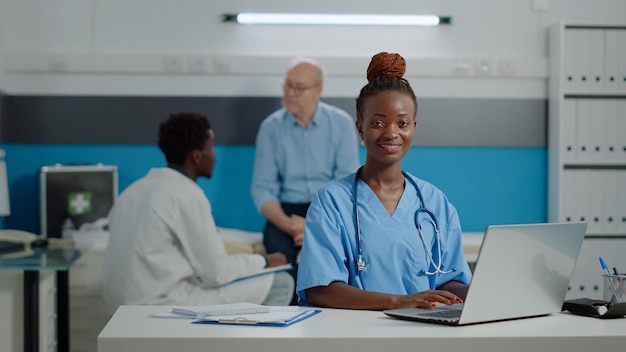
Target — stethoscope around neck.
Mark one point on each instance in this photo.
(421, 210)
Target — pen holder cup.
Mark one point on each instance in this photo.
(614, 287)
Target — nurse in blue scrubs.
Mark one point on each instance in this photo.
(382, 238)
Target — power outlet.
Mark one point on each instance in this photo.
(199, 64)
(483, 68)
(221, 64)
(506, 68)
(461, 68)
(174, 63)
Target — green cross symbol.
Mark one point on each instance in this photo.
(79, 203)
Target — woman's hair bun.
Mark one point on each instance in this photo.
(386, 64)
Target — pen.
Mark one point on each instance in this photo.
(608, 277)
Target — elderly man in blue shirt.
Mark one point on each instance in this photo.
(299, 148)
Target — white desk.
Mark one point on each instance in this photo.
(345, 330)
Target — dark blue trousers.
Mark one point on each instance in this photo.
(276, 240)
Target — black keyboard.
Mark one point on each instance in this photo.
(9, 246)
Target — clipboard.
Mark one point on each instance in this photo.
(269, 270)
(277, 317)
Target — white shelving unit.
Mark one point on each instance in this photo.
(587, 144)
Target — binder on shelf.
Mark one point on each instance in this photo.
(581, 197)
(608, 184)
(593, 205)
(622, 61)
(610, 130)
(621, 134)
(582, 57)
(583, 129)
(567, 196)
(612, 59)
(570, 76)
(586, 271)
(621, 201)
(596, 119)
(596, 60)
(568, 143)
(584, 281)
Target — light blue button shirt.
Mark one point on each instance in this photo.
(292, 162)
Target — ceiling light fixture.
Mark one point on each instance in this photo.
(337, 19)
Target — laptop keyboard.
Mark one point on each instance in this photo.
(453, 313)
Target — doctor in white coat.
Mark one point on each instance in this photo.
(164, 247)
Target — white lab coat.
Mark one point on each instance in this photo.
(164, 249)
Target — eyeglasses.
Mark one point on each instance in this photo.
(297, 88)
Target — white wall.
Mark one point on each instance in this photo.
(119, 46)
(2, 46)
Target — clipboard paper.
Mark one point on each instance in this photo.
(279, 316)
(232, 309)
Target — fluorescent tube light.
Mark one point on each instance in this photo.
(336, 19)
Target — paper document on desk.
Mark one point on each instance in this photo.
(278, 316)
(231, 309)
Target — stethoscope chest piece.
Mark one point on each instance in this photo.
(360, 264)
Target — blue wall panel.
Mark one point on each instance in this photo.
(488, 185)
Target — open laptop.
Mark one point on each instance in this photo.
(522, 271)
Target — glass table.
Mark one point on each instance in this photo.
(31, 262)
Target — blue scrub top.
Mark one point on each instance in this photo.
(393, 253)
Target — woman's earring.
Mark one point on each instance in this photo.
(362, 142)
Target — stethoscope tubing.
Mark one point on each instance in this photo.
(431, 218)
